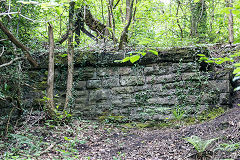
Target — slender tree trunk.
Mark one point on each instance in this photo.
(50, 81)
(128, 8)
(230, 22)
(123, 38)
(178, 23)
(134, 13)
(111, 19)
(121, 11)
(70, 57)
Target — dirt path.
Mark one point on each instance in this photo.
(147, 144)
(91, 141)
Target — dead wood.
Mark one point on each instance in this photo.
(18, 44)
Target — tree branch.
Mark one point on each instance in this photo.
(116, 4)
(18, 44)
(124, 32)
(2, 52)
(9, 63)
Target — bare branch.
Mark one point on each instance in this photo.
(3, 14)
(11, 62)
(3, 40)
(116, 4)
(18, 44)
(2, 52)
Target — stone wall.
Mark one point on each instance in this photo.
(150, 89)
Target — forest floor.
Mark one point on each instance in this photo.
(95, 140)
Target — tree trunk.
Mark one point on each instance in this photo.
(199, 19)
(123, 38)
(111, 19)
(70, 58)
(95, 24)
(50, 81)
(128, 9)
(230, 23)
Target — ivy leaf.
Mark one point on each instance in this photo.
(63, 55)
(134, 58)
(201, 55)
(66, 138)
(142, 53)
(118, 61)
(237, 70)
(210, 61)
(237, 64)
(203, 58)
(154, 52)
(126, 59)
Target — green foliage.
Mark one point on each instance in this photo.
(178, 113)
(199, 144)
(210, 114)
(228, 147)
(135, 56)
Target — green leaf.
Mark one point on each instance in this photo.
(126, 59)
(154, 52)
(203, 58)
(236, 64)
(63, 55)
(201, 55)
(199, 144)
(134, 58)
(219, 61)
(236, 12)
(118, 61)
(66, 138)
(210, 61)
(142, 53)
(237, 70)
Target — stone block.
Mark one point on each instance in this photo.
(93, 84)
(225, 98)
(219, 85)
(97, 95)
(161, 79)
(107, 72)
(116, 102)
(156, 69)
(123, 71)
(110, 82)
(190, 76)
(132, 80)
(81, 100)
(162, 100)
(81, 93)
(86, 73)
(81, 85)
(123, 90)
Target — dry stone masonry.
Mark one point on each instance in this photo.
(150, 89)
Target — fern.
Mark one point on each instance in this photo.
(199, 144)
